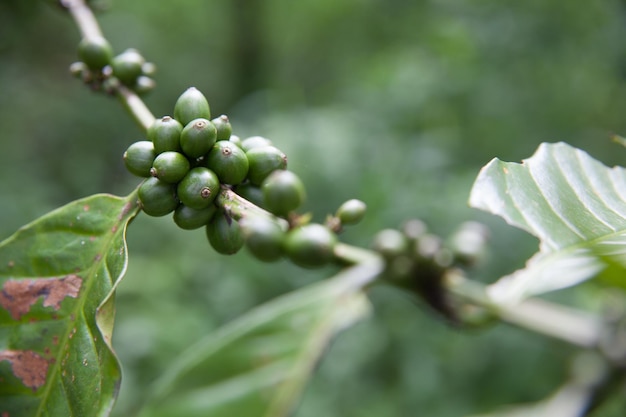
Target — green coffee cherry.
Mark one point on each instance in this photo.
(109, 85)
(189, 218)
(255, 142)
(191, 105)
(469, 243)
(198, 188)
(224, 129)
(264, 238)
(235, 139)
(144, 84)
(252, 193)
(170, 167)
(139, 157)
(310, 246)
(263, 161)
(283, 192)
(96, 52)
(127, 66)
(157, 198)
(228, 161)
(148, 68)
(165, 134)
(224, 234)
(79, 69)
(413, 229)
(390, 243)
(351, 211)
(198, 137)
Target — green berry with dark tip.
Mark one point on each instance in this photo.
(165, 134)
(139, 157)
(157, 198)
(264, 238)
(127, 66)
(283, 192)
(191, 105)
(198, 137)
(198, 188)
(252, 193)
(228, 161)
(263, 161)
(351, 211)
(189, 218)
(224, 234)
(255, 142)
(224, 129)
(95, 51)
(170, 167)
(310, 246)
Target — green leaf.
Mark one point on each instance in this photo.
(574, 204)
(57, 277)
(258, 365)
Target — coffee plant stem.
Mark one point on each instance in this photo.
(239, 208)
(355, 255)
(84, 18)
(135, 106)
(567, 324)
(542, 317)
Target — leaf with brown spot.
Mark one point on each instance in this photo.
(57, 278)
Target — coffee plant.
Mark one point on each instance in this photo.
(60, 272)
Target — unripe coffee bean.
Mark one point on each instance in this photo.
(235, 139)
(198, 188)
(390, 243)
(198, 137)
(224, 129)
(170, 167)
(189, 218)
(165, 134)
(264, 238)
(351, 211)
(144, 84)
(263, 161)
(224, 234)
(310, 246)
(228, 161)
(127, 66)
(191, 105)
(283, 192)
(157, 198)
(96, 52)
(139, 157)
(252, 193)
(255, 142)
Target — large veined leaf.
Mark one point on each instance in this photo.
(257, 365)
(57, 277)
(574, 204)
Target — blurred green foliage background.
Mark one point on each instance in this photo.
(397, 102)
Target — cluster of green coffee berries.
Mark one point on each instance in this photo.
(413, 250)
(418, 261)
(102, 70)
(189, 159)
